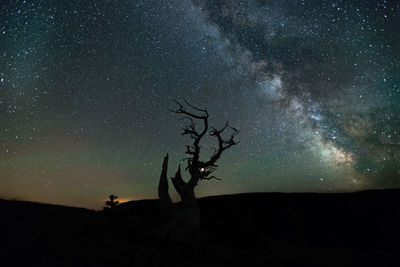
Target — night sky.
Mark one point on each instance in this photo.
(313, 87)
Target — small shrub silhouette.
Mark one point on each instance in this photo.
(112, 203)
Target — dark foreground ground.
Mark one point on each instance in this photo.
(259, 229)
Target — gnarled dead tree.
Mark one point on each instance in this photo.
(185, 219)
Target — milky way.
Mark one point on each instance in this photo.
(85, 87)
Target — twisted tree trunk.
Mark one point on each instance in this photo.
(184, 217)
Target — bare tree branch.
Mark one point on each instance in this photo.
(223, 144)
(198, 169)
(211, 177)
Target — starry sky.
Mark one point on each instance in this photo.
(313, 87)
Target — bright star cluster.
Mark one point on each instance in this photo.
(313, 86)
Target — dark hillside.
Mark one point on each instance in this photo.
(367, 219)
(261, 229)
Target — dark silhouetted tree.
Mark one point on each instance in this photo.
(184, 220)
(112, 203)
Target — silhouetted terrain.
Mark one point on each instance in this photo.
(257, 229)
